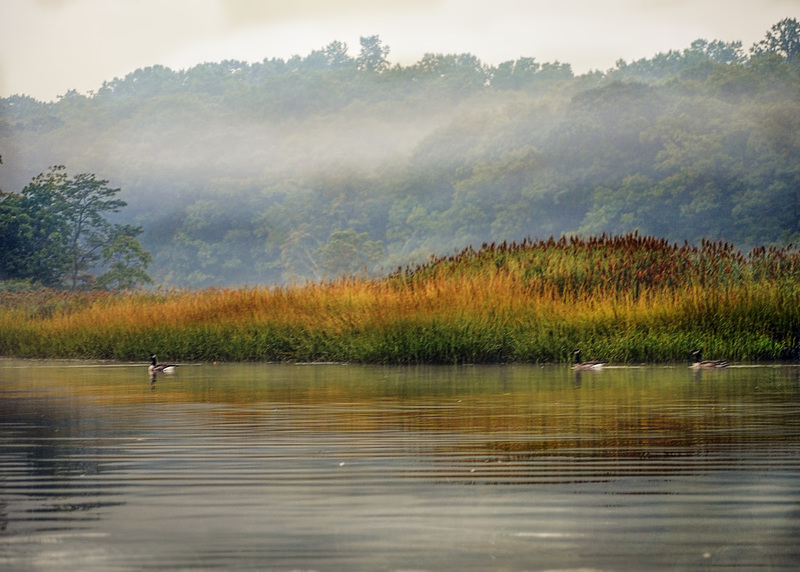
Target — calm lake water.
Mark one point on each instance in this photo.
(340, 467)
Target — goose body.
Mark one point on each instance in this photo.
(700, 363)
(160, 368)
(586, 365)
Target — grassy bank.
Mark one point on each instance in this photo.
(625, 299)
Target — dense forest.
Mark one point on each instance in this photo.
(331, 164)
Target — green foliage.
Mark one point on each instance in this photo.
(782, 39)
(243, 172)
(55, 233)
(125, 260)
(349, 253)
(373, 55)
(33, 235)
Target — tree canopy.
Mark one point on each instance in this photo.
(318, 166)
(55, 233)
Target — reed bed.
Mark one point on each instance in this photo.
(623, 298)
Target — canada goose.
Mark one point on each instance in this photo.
(160, 368)
(586, 365)
(699, 363)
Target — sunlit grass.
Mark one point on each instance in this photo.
(625, 299)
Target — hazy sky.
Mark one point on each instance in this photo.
(48, 47)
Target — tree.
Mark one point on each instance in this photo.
(349, 253)
(299, 255)
(782, 39)
(515, 74)
(55, 232)
(126, 260)
(717, 51)
(336, 55)
(215, 238)
(460, 73)
(372, 57)
(32, 238)
(84, 202)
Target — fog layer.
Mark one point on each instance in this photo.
(330, 165)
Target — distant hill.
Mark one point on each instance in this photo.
(329, 165)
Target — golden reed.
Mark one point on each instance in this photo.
(624, 298)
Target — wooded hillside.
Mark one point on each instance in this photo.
(332, 164)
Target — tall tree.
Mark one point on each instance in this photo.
(336, 55)
(30, 240)
(125, 260)
(55, 232)
(372, 57)
(717, 51)
(349, 253)
(782, 39)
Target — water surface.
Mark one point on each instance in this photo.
(339, 467)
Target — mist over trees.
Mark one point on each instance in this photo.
(330, 164)
(55, 233)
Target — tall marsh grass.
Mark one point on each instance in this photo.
(623, 298)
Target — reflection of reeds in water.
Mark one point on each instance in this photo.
(625, 299)
(517, 412)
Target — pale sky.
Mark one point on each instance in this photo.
(48, 47)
